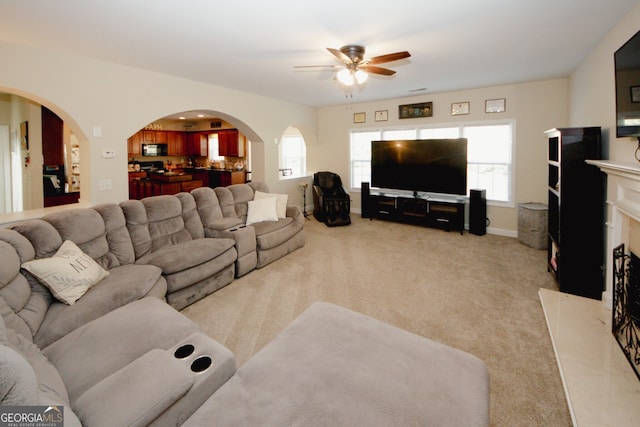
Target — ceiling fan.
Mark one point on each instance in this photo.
(355, 67)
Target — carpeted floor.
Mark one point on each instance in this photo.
(475, 293)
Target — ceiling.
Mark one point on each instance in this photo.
(253, 45)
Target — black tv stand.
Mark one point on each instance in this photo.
(420, 210)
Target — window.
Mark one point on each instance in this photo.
(213, 148)
(489, 160)
(489, 154)
(293, 157)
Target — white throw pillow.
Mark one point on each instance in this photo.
(281, 202)
(68, 274)
(262, 210)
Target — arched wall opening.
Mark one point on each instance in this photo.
(30, 180)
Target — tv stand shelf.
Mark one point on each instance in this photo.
(427, 211)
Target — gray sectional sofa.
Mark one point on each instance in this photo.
(118, 354)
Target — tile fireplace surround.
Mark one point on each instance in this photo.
(600, 385)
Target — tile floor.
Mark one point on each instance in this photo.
(600, 385)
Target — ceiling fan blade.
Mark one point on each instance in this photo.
(389, 57)
(341, 56)
(376, 70)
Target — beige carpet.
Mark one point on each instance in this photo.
(475, 293)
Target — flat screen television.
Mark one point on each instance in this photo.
(627, 76)
(422, 165)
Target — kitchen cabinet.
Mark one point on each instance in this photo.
(134, 183)
(198, 144)
(134, 144)
(231, 177)
(154, 137)
(52, 138)
(230, 143)
(176, 143)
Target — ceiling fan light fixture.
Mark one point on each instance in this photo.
(361, 76)
(345, 77)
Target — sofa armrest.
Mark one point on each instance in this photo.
(155, 381)
(293, 211)
(222, 224)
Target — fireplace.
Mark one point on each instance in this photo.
(625, 323)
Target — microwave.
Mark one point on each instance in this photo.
(154, 150)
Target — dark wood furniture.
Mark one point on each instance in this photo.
(428, 211)
(62, 199)
(575, 251)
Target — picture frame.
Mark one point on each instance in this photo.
(381, 116)
(495, 105)
(24, 135)
(459, 108)
(359, 117)
(412, 111)
(635, 94)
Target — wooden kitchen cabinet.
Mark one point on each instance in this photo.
(176, 143)
(134, 144)
(154, 137)
(231, 177)
(198, 144)
(230, 143)
(52, 138)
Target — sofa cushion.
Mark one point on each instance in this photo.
(100, 232)
(261, 210)
(18, 382)
(207, 205)
(105, 345)
(43, 236)
(154, 381)
(123, 285)
(155, 223)
(69, 273)
(184, 256)
(271, 234)
(190, 216)
(281, 202)
(228, 203)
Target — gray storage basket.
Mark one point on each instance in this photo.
(532, 224)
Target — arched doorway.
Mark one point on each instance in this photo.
(187, 150)
(40, 155)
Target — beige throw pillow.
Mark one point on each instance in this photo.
(68, 274)
(281, 202)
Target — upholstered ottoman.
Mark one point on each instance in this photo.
(335, 367)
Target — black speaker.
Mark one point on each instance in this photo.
(478, 212)
(365, 209)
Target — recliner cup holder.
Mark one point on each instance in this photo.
(201, 364)
(184, 351)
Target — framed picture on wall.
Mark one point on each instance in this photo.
(635, 93)
(24, 135)
(412, 111)
(359, 117)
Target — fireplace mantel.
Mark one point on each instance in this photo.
(623, 201)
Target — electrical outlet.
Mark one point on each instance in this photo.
(105, 185)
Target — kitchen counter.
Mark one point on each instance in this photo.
(155, 184)
(218, 177)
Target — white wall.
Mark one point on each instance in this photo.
(117, 101)
(592, 98)
(535, 106)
